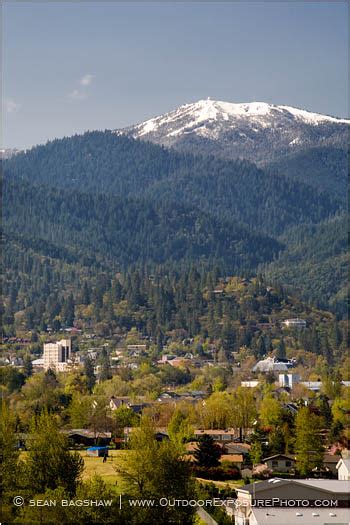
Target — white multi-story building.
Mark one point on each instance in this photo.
(56, 355)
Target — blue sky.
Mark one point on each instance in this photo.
(73, 66)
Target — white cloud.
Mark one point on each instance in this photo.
(10, 105)
(76, 94)
(86, 80)
(81, 92)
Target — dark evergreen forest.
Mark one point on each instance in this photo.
(79, 206)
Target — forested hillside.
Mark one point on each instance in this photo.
(108, 201)
(101, 162)
(172, 301)
(315, 263)
(324, 168)
(128, 231)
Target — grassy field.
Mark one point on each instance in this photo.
(105, 470)
(93, 465)
(96, 466)
(110, 476)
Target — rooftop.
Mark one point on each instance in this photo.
(211, 432)
(304, 516)
(284, 456)
(328, 485)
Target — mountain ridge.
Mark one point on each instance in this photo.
(256, 131)
(101, 162)
(138, 203)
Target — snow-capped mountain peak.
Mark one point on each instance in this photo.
(237, 130)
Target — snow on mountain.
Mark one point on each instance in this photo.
(7, 153)
(254, 130)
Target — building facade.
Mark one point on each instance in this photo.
(280, 501)
(56, 355)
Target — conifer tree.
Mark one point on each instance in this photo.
(281, 349)
(89, 373)
(208, 452)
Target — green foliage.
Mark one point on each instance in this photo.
(11, 468)
(11, 378)
(315, 263)
(153, 469)
(102, 162)
(42, 391)
(324, 168)
(96, 489)
(133, 202)
(281, 349)
(92, 490)
(105, 366)
(207, 453)
(27, 366)
(256, 452)
(124, 417)
(179, 428)
(50, 464)
(270, 411)
(308, 445)
(127, 231)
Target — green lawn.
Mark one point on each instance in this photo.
(109, 475)
(96, 466)
(105, 470)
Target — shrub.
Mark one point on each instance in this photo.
(216, 473)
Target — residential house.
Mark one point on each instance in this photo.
(182, 362)
(250, 384)
(160, 434)
(167, 396)
(237, 459)
(281, 391)
(237, 448)
(330, 462)
(136, 349)
(314, 386)
(294, 323)
(15, 361)
(283, 463)
(197, 394)
(117, 402)
(291, 407)
(83, 436)
(166, 358)
(218, 435)
(38, 363)
(191, 446)
(137, 408)
(343, 468)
